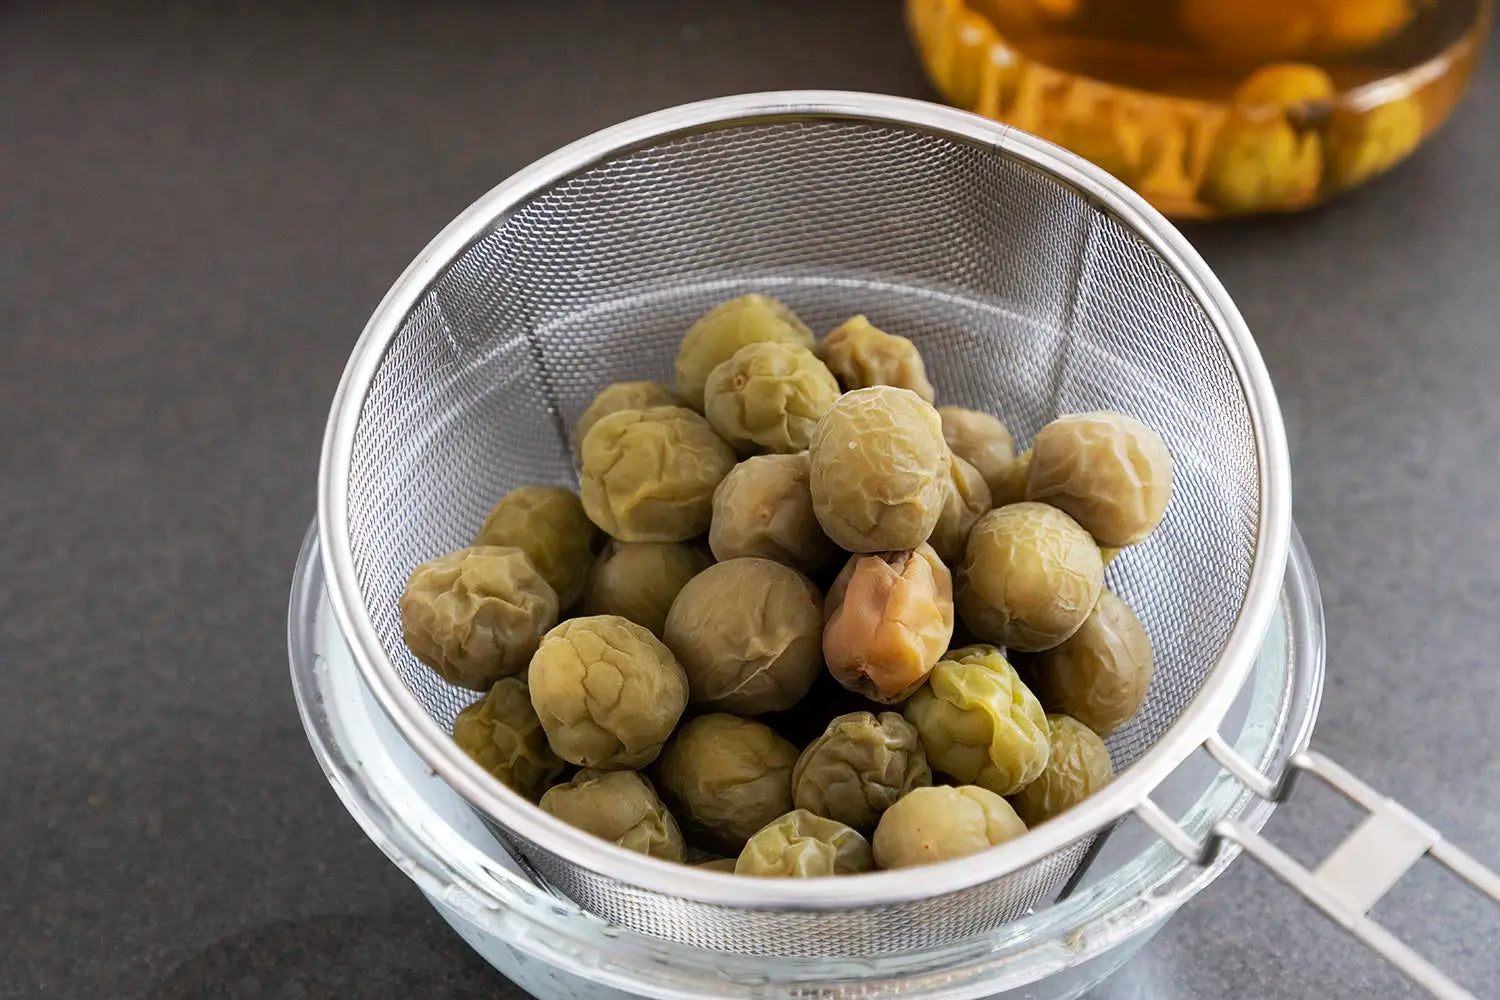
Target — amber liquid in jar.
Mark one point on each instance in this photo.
(1212, 107)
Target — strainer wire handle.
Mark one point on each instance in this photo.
(1357, 874)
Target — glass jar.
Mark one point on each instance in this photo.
(553, 950)
(1212, 108)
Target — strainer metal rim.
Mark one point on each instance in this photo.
(1197, 722)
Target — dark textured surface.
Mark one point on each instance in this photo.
(202, 204)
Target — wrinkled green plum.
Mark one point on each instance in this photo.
(620, 807)
(966, 497)
(640, 580)
(1029, 578)
(607, 691)
(620, 396)
(979, 723)
(650, 475)
(802, 845)
(1100, 674)
(1010, 485)
(476, 615)
(879, 468)
(723, 330)
(725, 778)
(981, 440)
(549, 525)
(768, 397)
(503, 735)
(859, 767)
(861, 355)
(887, 620)
(940, 823)
(748, 632)
(1078, 765)
(763, 508)
(1109, 472)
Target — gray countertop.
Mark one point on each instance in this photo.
(201, 204)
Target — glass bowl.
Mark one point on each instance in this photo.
(1212, 108)
(552, 949)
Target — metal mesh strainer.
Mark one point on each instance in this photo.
(1033, 284)
(1028, 296)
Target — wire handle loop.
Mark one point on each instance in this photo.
(1357, 874)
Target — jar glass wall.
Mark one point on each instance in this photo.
(1212, 108)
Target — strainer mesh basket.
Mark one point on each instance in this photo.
(1027, 297)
